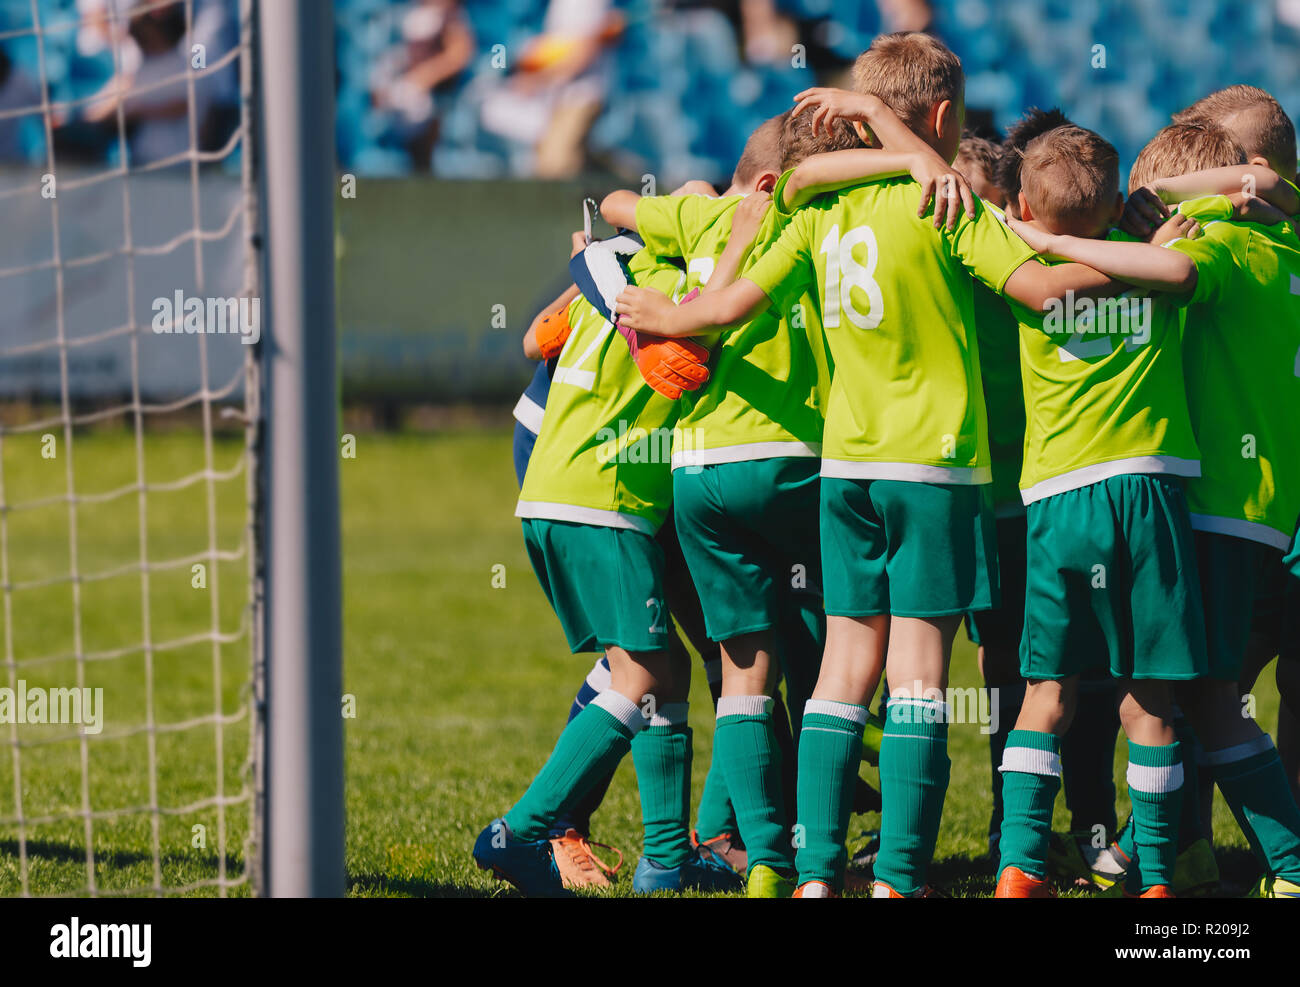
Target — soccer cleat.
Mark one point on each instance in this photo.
(1157, 891)
(882, 890)
(814, 889)
(1015, 883)
(578, 865)
(698, 873)
(768, 882)
(1066, 863)
(1274, 887)
(726, 848)
(529, 866)
(553, 332)
(1108, 867)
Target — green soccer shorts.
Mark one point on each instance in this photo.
(1111, 576)
(1242, 588)
(605, 584)
(906, 548)
(749, 533)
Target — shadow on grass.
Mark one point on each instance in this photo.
(67, 853)
(415, 887)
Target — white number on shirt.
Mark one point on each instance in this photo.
(844, 273)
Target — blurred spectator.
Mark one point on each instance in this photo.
(438, 47)
(150, 83)
(17, 92)
(560, 87)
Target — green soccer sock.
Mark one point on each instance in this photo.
(715, 815)
(830, 749)
(589, 748)
(662, 755)
(1190, 828)
(745, 745)
(1254, 785)
(1031, 777)
(914, 771)
(1155, 787)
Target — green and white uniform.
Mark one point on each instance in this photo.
(1242, 343)
(598, 484)
(1110, 560)
(906, 406)
(745, 466)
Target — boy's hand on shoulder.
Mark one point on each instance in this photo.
(749, 215)
(1252, 209)
(831, 105)
(1144, 212)
(946, 187)
(577, 244)
(642, 310)
(1175, 227)
(1040, 241)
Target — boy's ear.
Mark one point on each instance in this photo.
(1026, 213)
(864, 134)
(1118, 210)
(1259, 160)
(766, 181)
(942, 118)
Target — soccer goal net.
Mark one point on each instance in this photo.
(129, 448)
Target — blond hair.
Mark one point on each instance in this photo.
(798, 141)
(1254, 118)
(1182, 148)
(910, 72)
(762, 150)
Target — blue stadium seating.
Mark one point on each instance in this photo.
(682, 99)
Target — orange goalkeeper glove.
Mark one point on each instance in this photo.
(552, 332)
(670, 366)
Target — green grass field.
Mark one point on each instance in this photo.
(460, 688)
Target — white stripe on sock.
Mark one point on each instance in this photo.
(599, 678)
(845, 711)
(1155, 780)
(1226, 755)
(1031, 761)
(621, 708)
(744, 706)
(670, 715)
(911, 710)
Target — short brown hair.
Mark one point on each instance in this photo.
(798, 140)
(978, 153)
(910, 72)
(762, 150)
(1182, 148)
(1069, 171)
(1033, 124)
(1254, 118)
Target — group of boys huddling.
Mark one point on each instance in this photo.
(900, 392)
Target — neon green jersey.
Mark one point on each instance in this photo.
(1104, 391)
(767, 393)
(895, 298)
(1242, 341)
(998, 333)
(602, 456)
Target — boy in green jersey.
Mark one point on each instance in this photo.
(1088, 747)
(746, 493)
(596, 490)
(1111, 554)
(1244, 395)
(906, 534)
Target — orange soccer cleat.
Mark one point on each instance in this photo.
(578, 865)
(1015, 883)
